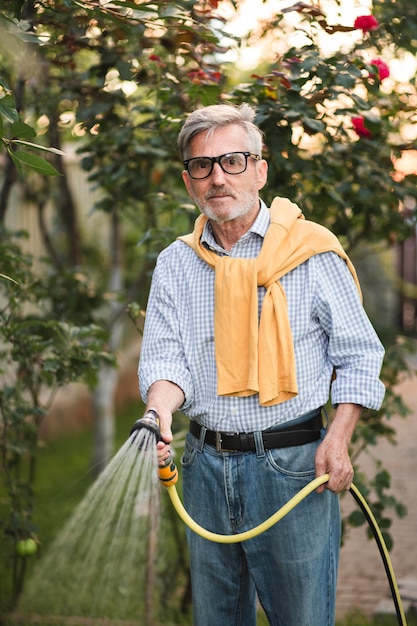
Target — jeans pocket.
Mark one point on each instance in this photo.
(297, 461)
(190, 451)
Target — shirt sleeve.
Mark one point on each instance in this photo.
(354, 348)
(162, 356)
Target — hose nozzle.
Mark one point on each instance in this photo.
(150, 421)
(167, 472)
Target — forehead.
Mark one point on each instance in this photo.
(230, 138)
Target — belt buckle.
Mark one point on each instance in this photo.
(219, 444)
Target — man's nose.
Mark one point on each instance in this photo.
(217, 174)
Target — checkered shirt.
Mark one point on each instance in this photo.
(330, 328)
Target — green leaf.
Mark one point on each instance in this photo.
(345, 80)
(15, 161)
(8, 109)
(356, 518)
(313, 126)
(382, 480)
(125, 70)
(292, 115)
(36, 146)
(22, 130)
(35, 162)
(4, 84)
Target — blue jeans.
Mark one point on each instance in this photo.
(291, 568)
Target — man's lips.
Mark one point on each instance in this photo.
(219, 195)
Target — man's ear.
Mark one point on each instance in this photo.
(262, 173)
(187, 181)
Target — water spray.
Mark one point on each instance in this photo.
(168, 475)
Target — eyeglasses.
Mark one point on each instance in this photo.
(231, 163)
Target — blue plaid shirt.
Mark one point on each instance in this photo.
(330, 331)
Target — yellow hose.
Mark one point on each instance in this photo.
(168, 475)
(249, 534)
(282, 512)
(384, 553)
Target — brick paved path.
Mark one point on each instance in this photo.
(362, 578)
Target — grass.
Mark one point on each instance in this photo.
(356, 618)
(63, 477)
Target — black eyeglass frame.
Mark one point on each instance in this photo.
(217, 159)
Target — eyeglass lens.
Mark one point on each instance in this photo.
(232, 163)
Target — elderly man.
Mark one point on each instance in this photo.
(251, 320)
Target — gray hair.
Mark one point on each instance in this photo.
(215, 116)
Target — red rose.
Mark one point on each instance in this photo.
(156, 59)
(197, 76)
(215, 76)
(383, 69)
(366, 23)
(360, 128)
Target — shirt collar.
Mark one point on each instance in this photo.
(259, 227)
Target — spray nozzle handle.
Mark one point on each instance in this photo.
(168, 473)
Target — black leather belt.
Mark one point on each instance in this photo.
(296, 435)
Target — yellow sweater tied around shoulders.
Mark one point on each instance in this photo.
(258, 356)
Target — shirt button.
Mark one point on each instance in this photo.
(234, 410)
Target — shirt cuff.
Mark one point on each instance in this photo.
(172, 373)
(367, 393)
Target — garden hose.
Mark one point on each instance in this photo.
(168, 475)
(249, 534)
(281, 513)
(383, 550)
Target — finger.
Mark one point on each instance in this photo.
(323, 486)
(337, 485)
(166, 436)
(163, 451)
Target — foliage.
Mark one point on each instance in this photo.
(15, 135)
(371, 428)
(38, 354)
(356, 618)
(307, 103)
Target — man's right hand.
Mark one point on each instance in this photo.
(165, 398)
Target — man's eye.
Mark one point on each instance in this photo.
(233, 160)
(200, 165)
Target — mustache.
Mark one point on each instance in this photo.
(215, 191)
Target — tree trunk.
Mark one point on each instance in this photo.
(10, 176)
(103, 418)
(65, 203)
(104, 392)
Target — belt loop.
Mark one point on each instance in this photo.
(202, 438)
(259, 444)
